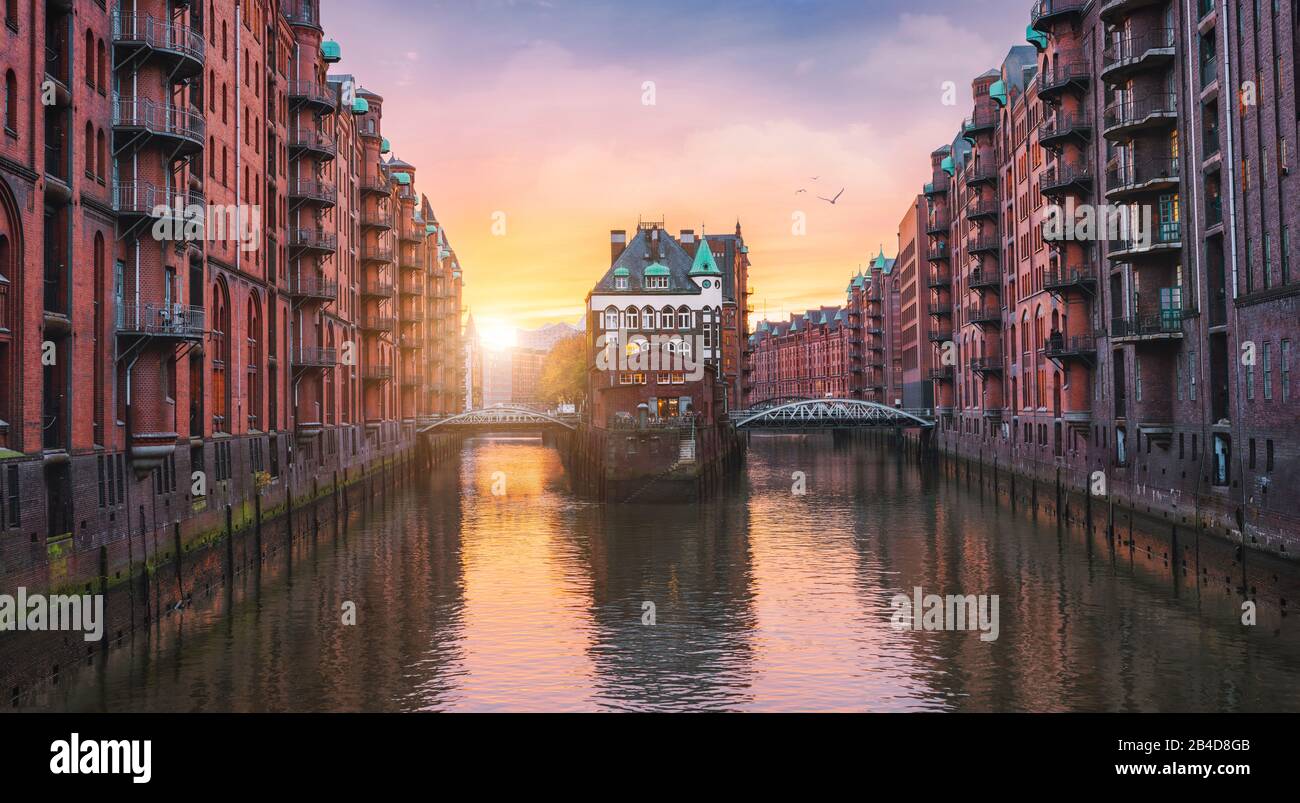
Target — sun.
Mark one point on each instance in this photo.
(496, 334)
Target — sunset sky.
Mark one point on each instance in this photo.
(533, 108)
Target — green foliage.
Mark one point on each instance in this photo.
(564, 374)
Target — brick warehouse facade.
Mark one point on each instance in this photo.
(127, 362)
(1164, 364)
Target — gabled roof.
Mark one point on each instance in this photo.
(639, 255)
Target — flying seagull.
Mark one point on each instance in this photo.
(832, 201)
(796, 192)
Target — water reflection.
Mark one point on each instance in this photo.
(534, 599)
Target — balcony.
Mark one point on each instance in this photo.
(1045, 13)
(410, 342)
(1081, 348)
(1064, 126)
(1052, 82)
(985, 316)
(414, 286)
(983, 209)
(1058, 281)
(1113, 11)
(938, 252)
(313, 288)
(183, 129)
(1133, 54)
(1123, 181)
(984, 280)
(317, 143)
(371, 322)
(1123, 119)
(374, 185)
(981, 122)
(1162, 325)
(940, 310)
(142, 199)
(411, 234)
(938, 225)
(309, 93)
(990, 244)
(377, 252)
(138, 36)
(982, 174)
(1164, 238)
(410, 260)
(1063, 177)
(939, 335)
(306, 190)
(939, 187)
(377, 288)
(381, 219)
(175, 321)
(943, 373)
(377, 373)
(939, 279)
(985, 366)
(314, 357)
(315, 240)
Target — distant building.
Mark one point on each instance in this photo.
(526, 374)
(545, 338)
(473, 390)
(498, 372)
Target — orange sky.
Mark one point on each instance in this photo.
(515, 107)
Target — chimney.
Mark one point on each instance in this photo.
(617, 242)
(688, 241)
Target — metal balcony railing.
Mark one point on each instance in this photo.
(159, 119)
(160, 320)
(315, 357)
(156, 34)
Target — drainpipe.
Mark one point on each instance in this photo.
(1234, 420)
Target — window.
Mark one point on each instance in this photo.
(1268, 371)
(1286, 370)
(683, 318)
(633, 318)
(611, 318)
(620, 283)
(656, 282)
(1250, 381)
(11, 103)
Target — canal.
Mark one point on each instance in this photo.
(487, 585)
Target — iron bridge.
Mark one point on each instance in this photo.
(832, 414)
(505, 417)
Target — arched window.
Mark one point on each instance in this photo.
(611, 318)
(97, 339)
(90, 58)
(648, 318)
(220, 357)
(666, 318)
(683, 318)
(253, 335)
(101, 67)
(89, 150)
(632, 319)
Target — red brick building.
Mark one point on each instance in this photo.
(1162, 361)
(146, 375)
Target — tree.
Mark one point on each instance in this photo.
(564, 373)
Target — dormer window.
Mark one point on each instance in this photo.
(656, 282)
(620, 282)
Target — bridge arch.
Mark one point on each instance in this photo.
(832, 414)
(503, 416)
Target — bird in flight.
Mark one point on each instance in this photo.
(832, 201)
(796, 192)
